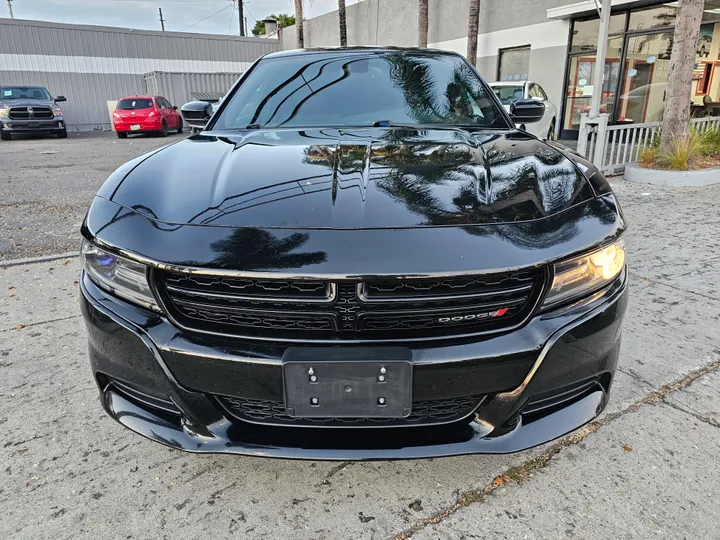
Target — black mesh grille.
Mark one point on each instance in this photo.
(374, 310)
(439, 411)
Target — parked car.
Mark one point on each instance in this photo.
(352, 261)
(509, 91)
(146, 114)
(30, 109)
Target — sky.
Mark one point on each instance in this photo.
(180, 15)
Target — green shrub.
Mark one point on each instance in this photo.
(710, 142)
(681, 151)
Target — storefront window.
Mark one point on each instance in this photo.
(514, 64)
(585, 33)
(650, 19)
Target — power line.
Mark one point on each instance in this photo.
(206, 18)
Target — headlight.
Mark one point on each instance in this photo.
(581, 276)
(4, 111)
(122, 277)
(57, 111)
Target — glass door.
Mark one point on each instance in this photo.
(644, 81)
(580, 78)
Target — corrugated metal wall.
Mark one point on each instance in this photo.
(91, 65)
(178, 87)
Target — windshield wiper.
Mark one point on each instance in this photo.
(388, 123)
(253, 126)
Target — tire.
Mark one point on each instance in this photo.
(180, 126)
(551, 131)
(4, 135)
(163, 130)
(121, 134)
(62, 134)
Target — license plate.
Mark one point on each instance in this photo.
(134, 127)
(349, 388)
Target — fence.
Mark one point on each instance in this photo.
(610, 148)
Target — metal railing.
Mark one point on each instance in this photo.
(611, 148)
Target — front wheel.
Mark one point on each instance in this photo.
(551, 131)
(62, 134)
(163, 130)
(180, 126)
(5, 136)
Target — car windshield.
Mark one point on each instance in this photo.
(361, 89)
(24, 92)
(133, 104)
(508, 94)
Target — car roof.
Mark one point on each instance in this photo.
(345, 50)
(138, 97)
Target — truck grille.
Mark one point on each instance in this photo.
(30, 113)
(374, 310)
(427, 412)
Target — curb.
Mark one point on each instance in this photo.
(693, 178)
(44, 258)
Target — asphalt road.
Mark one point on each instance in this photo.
(647, 468)
(47, 184)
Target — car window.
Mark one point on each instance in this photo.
(360, 89)
(24, 92)
(134, 104)
(165, 103)
(509, 93)
(540, 92)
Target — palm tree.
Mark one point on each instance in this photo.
(422, 23)
(343, 23)
(473, 29)
(676, 118)
(299, 24)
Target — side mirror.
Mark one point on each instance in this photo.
(60, 98)
(527, 111)
(174, 107)
(196, 113)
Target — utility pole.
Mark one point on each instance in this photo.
(10, 9)
(241, 17)
(162, 21)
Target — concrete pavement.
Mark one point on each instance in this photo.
(645, 469)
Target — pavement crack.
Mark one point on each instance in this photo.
(523, 472)
(697, 416)
(633, 375)
(681, 289)
(39, 323)
(337, 468)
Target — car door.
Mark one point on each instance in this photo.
(542, 129)
(167, 112)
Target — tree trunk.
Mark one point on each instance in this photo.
(299, 33)
(473, 29)
(343, 23)
(422, 23)
(676, 118)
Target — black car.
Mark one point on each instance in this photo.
(360, 257)
(30, 109)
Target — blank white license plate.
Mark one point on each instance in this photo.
(134, 127)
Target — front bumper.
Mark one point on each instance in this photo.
(33, 126)
(162, 383)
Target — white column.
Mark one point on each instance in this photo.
(600, 59)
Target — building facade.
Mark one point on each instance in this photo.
(92, 65)
(552, 42)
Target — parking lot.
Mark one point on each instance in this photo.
(644, 469)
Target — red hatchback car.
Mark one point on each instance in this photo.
(146, 114)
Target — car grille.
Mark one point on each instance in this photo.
(374, 310)
(428, 412)
(30, 113)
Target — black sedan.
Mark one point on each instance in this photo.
(358, 257)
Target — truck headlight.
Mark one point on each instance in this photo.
(4, 111)
(117, 275)
(581, 276)
(57, 111)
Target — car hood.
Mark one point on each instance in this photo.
(27, 103)
(352, 179)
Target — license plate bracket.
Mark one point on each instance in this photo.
(359, 383)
